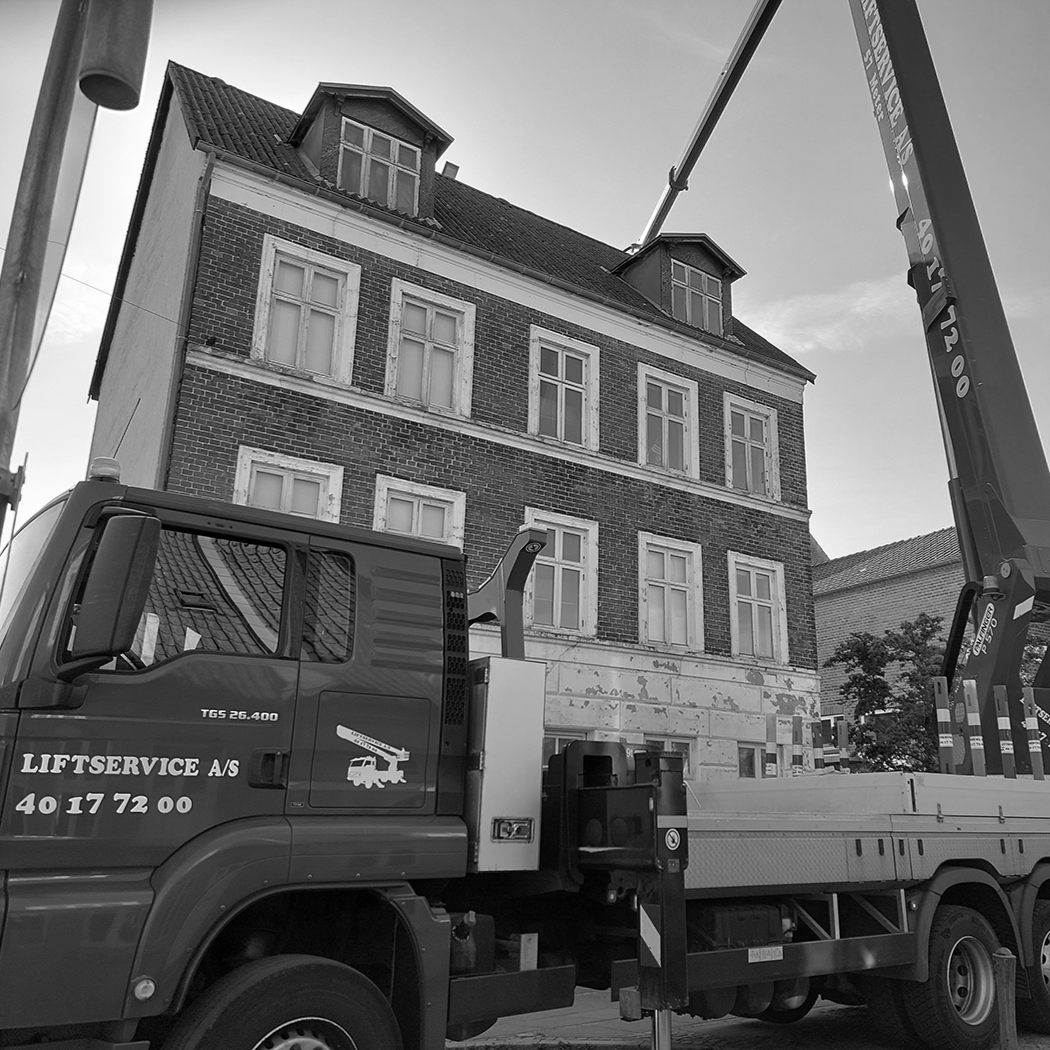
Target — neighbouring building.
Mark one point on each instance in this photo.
(878, 590)
(308, 316)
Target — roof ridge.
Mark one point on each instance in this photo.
(887, 546)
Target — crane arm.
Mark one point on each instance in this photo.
(377, 747)
(1000, 483)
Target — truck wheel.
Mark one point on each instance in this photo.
(955, 1008)
(886, 1009)
(1034, 1014)
(288, 1002)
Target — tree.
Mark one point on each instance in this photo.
(889, 685)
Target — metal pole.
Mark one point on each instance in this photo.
(23, 264)
(945, 739)
(1035, 741)
(732, 71)
(1004, 967)
(661, 1030)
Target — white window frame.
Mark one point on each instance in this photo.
(542, 337)
(330, 474)
(694, 587)
(778, 604)
(704, 291)
(367, 157)
(732, 401)
(453, 500)
(690, 389)
(589, 578)
(346, 316)
(463, 374)
(758, 754)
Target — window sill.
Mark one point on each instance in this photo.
(435, 410)
(546, 439)
(754, 496)
(688, 649)
(299, 373)
(758, 661)
(560, 632)
(670, 472)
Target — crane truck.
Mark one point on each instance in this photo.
(193, 859)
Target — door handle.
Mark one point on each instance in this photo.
(268, 769)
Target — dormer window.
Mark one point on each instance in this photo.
(696, 297)
(379, 167)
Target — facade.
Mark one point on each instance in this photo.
(310, 317)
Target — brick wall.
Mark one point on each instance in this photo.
(218, 413)
(224, 310)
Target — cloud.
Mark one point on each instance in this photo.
(842, 321)
(677, 31)
(78, 312)
(1026, 305)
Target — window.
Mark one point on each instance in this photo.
(564, 582)
(431, 349)
(287, 484)
(750, 760)
(670, 593)
(696, 297)
(751, 448)
(679, 746)
(412, 509)
(209, 594)
(556, 740)
(668, 409)
(563, 388)
(328, 612)
(758, 614)
(306, 310)
(378, 167)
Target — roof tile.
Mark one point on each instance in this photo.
(883, 563)
(257, 131)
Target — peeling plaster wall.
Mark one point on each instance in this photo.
(615, 693)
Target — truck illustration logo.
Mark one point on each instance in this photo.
(365, 770)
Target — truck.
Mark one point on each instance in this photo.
(257, 795)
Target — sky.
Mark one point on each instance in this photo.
(576, 109)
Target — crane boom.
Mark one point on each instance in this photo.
(377, 747)
(1000, 483)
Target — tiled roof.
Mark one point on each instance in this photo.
(256, 131)
(882, 563)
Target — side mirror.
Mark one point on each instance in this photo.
(114, 595)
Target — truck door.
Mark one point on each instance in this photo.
(369, 705)
(189, 729)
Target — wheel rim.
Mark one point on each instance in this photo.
(307, 1033)
(1044, 961)
(971, 985)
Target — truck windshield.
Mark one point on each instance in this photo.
(17, 562)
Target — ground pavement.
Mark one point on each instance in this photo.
(594, 1022)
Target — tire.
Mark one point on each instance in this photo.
(788, 1008)
(886, 1009)
(1034, 1014)
(288, 1001)
(955, 1009)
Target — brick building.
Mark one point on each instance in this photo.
(308, 316)
(878, 590)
